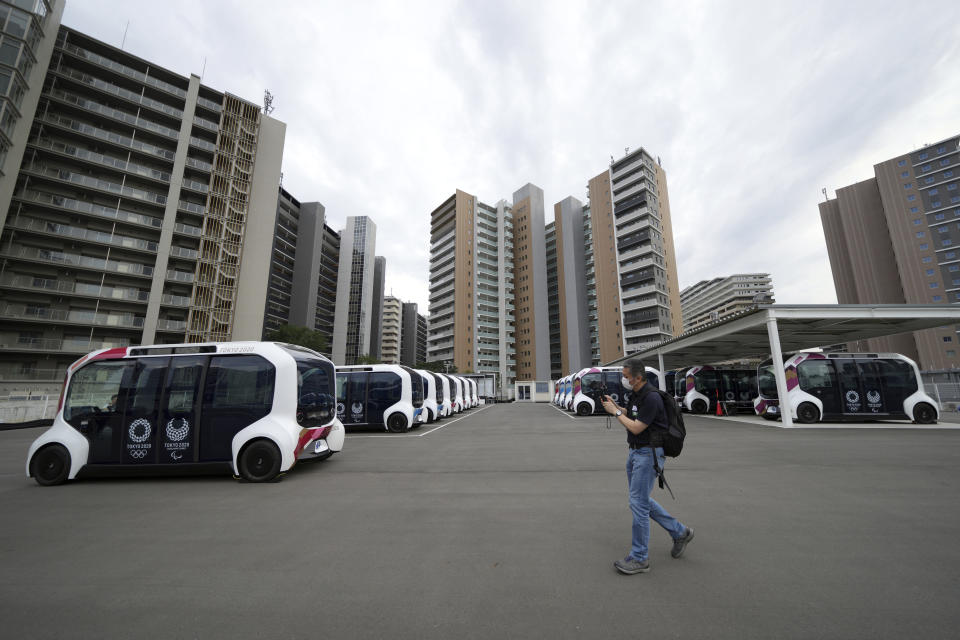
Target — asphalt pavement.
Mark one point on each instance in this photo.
(503, 523)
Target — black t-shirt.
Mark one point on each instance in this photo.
(646, 406)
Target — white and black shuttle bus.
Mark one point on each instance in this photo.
(443, 394)
(847, 387)
(253, 408)
(380, 395)
(432, 396)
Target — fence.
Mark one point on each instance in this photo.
(20, 408)
(947, 394)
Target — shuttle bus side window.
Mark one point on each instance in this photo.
(384, 391)
(178, 424)
(94, 406)
(341, 396)
(899, 382)
(238, 391)
(141, 419)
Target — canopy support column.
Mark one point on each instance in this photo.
(663, 374)
(773, 334)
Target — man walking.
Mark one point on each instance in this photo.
(644, 411)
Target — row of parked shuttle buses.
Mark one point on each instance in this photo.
(253, 408)
(851, 387)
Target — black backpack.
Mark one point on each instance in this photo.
(671, 438)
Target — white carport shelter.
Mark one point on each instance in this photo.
(769, 330)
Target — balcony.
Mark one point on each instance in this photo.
(114, 114)
(33, 283)
(67, 231)
(108, 136)
(200, 143)
(210, 104)
(73, 316)
(113, 89)
(206, 124)
(171, 300)
(100, 159)
(179, 276)
(171, 325)
(94, 183)
(59, 345)
(69, 204)
(187, 230)
(124, 70)
(184, 252)
(48, 256)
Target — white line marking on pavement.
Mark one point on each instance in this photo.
(563, 412)
(398, 436)
(776, 424)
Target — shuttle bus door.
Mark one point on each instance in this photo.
(356, 404)
(851, 390)
(872, 387)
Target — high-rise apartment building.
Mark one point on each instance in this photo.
(28, 31)
(717, 299)
(354, 311)
(413, 336)
(895, 238)
(576, 291)
(471, 299)
(314, 292)
(379, 275)
(553, 301)
(530, 285)
(638, 295)
(280, 288)
(390, 335)
(143, 211)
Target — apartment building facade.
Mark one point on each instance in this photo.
(354, 310)
(391, 331)
(638, 294)
(283, 263)
(413, 336)
(712, 300)
(379, 276)
(143, 211)
(471, 297)
(314, 291)
(894, 238)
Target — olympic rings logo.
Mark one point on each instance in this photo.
(138, 453)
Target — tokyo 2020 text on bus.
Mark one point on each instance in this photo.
(251, 407)
(847, 387)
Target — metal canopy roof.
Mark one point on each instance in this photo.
(799, 327)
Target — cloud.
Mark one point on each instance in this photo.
(753, 107)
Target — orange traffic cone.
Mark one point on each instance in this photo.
(719, 409)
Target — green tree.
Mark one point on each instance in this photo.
(368, 360)
(300, 336)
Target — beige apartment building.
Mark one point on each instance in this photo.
(719, 298)
(634, 265)
(895, 238)
(390, 330)
(471, 313)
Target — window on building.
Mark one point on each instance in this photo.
(934, 285)
(911, 198)
(935, 204)
(929, 272)
(937, 298)
(905, 174)
(914, 209)
(939, 216)
(901, 163)
(908, 185)
(921, 234)
(927, 260)
(924, 246)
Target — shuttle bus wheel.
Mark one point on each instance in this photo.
(807, 413)
(50, 465)
(923, 413)
(583, 409)
(699, 406)
(397, 423)
(259, 461)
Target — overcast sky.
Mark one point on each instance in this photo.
(753, 107)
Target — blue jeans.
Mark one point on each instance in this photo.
(640, 477)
